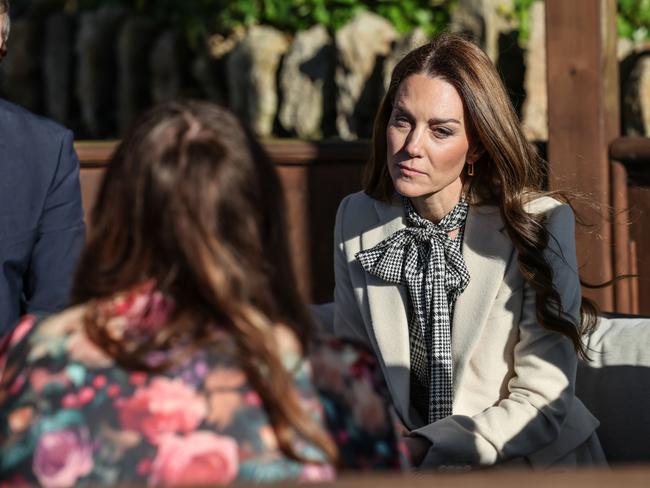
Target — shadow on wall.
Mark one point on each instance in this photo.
(316, 69)
(369, 100)
(511, 65)
(633, 80)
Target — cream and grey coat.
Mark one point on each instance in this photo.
(513, 380)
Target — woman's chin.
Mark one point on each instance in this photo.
(409, 189)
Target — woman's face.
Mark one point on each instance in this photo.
(427, 142)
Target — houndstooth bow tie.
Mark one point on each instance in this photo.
(422, 256)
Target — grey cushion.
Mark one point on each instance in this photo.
(615, 386)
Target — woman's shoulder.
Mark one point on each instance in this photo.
(361, 203)
(359, 212)
(40, 337)
(358, 202)
(537, 203)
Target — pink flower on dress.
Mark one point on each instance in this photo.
(41, 378)
(166, 406)
(18, 383)
(14, 337)
(22, 329)
(200, 458)
(113, 390)
(145, 309)
(317, 473)
(62, 457)
(99, 381)
(253, 399)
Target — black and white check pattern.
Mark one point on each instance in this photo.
(431, 264)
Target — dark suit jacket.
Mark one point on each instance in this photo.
(41, 218)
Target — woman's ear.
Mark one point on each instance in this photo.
(475, 152)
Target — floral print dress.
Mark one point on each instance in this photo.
(70, 416)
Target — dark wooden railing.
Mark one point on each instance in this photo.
(630, 158)
(634, 154)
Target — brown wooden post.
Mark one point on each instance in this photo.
(583, 118)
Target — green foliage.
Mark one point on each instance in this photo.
(290, 16)
(432, 16)
(296, 15)
(519, 14)
(633, 20)
(522, 11)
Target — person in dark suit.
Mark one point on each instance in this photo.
(41, 217)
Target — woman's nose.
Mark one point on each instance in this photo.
(413, 146)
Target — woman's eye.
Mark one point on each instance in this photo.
(441, 132)
(401, 121)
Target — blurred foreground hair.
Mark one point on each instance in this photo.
(191, 201)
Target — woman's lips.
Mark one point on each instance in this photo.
(408, 171)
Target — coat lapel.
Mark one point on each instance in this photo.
(388, 310)
(486, 251)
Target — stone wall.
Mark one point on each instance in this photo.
(96, 71)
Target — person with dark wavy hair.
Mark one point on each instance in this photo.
(187, 358)
(461, 273)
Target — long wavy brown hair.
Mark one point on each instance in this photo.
(508, 173)
(191, 202)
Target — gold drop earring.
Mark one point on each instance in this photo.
(470, 169)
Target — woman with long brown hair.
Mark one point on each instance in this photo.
(461, 272)
(187, 356)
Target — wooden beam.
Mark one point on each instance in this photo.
(583, 118)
